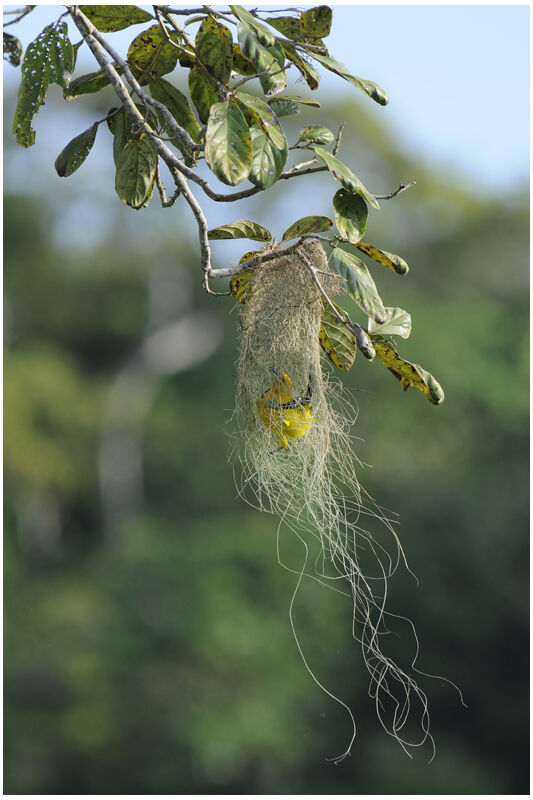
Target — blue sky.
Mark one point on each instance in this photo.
(457, 79)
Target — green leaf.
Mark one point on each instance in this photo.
(203, 89)
(239, 284)
(88, 84)
(243, 229)
(228, 146)
(291, 27)
(309, 73)
(304, 225)
(284, 108)
(241, 64)
(267, 160)
(115, 18)
(214, 48)
(345, 176)
(150, 53)
(48, 59)
(397, 322)
(316, 22)
(259, 30)
(74, 154)
(186, 57)
(135, 175)
(336, 340)
(121, 126)
(382, 257)
(265, 59)
(12, 49)
(358, 282)
(294, 98)
(351, 213)
(407, 373)
(177, 104)
(316, 134)
(368, 87)
(265, 117)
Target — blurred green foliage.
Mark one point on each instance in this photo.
(148, 648)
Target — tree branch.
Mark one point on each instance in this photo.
(363, 342)
(401, 188)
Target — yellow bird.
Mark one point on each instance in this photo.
(287, 416)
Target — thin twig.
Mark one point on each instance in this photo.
(338, 139)
(21, 11)
(401, 188)
(363, 342)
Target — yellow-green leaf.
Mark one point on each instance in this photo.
(267, 60)
(74, 154)
(88, 84)
(294, 98)
(267, 160)
(150, 53)
(382, 257)
(228, 145)
(291, 27)
(351, 213)
(309, 73)
(358, 282)
(203, 89)
(345, 176)
(368, 87)
(241, 64)
(135, 175)
(313, 224)
(397, 322)
(265, 117)
(336, 340)
(316, 134)
(243, 229)
(115, 18)
(407, 373)
(240, 284)
(260, 31)
(214, 48)
(316, 22)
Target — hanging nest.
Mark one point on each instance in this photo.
(310, 482)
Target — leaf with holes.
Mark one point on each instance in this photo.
(367, 87)
(316, 134)
(397, 322)
(150, 53)
(203, 89)
(351, 213)
(345, 176)
(314, 224)
(48, 59)
(252, 25)
(265, 117)
(267, 161)
(243, 229)
(316, 22)
(214, 48)
(336, 340)
(136, 165)
(115, 18)
(74, 154)
(309, 73)
(228, 145)
(407, 373)
(358, 282)
(12, 49)
(382, 257)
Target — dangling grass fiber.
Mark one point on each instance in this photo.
(311, 485)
